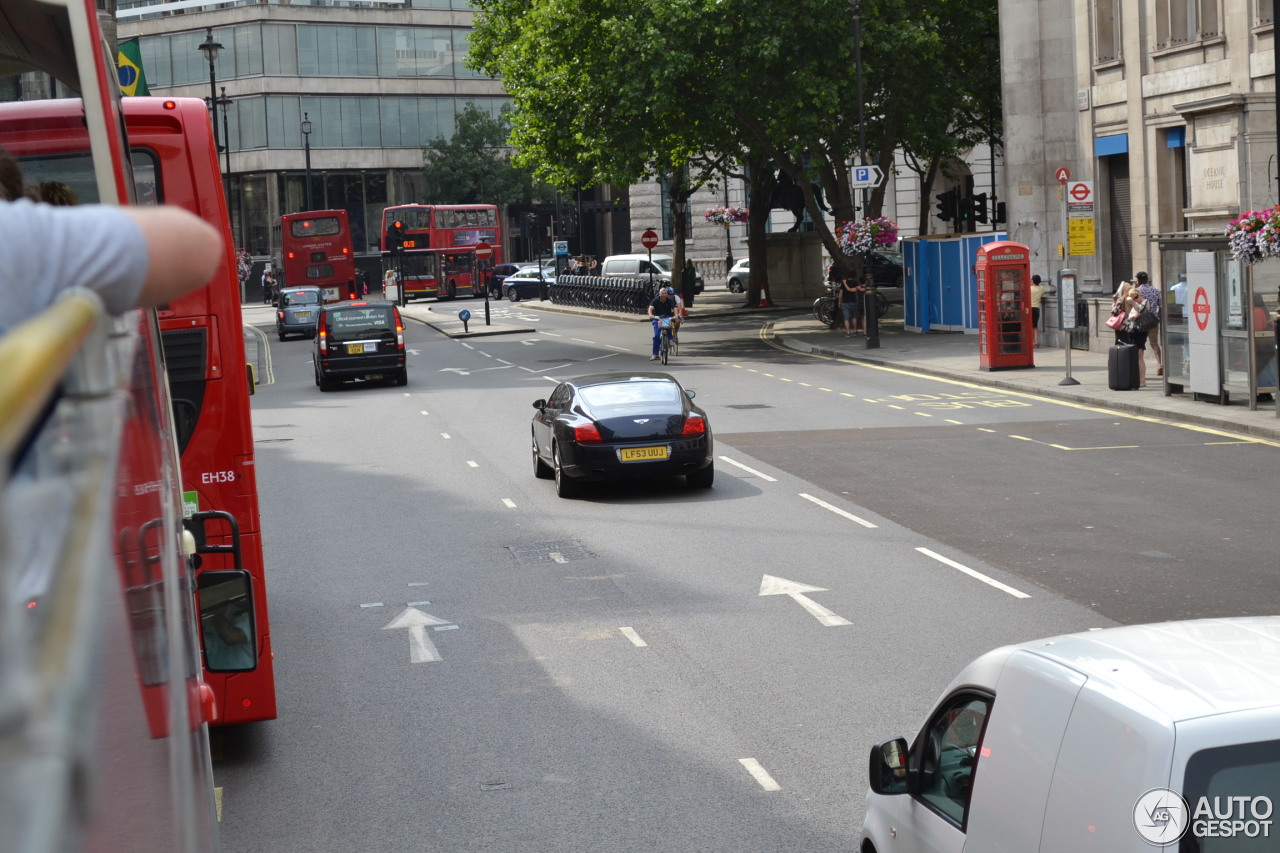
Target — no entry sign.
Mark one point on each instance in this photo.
(483, 251)
(649, 239)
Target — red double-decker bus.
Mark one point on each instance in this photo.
(316, 247)
(438, 250)
(174, 162)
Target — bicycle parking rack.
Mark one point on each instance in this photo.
(627, 295)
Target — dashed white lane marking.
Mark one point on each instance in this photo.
(760, 774)
(417, 603)
(630, 634)
(510, 503)
(483, 353)
(606, 355)
(582, 340)
(425, 412)
(762, 476)
(504, 361)
(530, 369)
(620, 349)
(973, 573)
(372, 604)
(550, 378)
(467, 345)
(473, 464)
(552, 335)
(556, 556)
(445, 435)
(838, 511)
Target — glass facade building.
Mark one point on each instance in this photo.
(376, 81)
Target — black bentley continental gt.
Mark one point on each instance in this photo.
(621, 425)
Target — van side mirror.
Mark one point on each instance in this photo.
(227, 630)
(888, 767)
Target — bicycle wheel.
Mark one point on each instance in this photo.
(826, 312)
(665, 350)
(882, 304)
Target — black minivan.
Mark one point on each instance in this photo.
(359, 340)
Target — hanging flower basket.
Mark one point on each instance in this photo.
(727, 215)
(863, 235)
(1255, 236)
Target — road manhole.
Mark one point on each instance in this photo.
(564, 551)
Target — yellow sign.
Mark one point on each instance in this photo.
(1081, 238)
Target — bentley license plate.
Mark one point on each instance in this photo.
(644, 454)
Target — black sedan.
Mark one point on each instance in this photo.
(621, 425)
(526, 284)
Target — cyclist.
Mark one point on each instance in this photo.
(663, 305)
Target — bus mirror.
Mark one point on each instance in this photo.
(227, 630)
(252, 375)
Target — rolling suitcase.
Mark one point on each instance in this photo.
(1122, 367)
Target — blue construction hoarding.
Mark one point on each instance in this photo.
(939, 290)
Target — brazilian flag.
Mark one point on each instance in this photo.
(129, 69)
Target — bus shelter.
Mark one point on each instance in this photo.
(1218, 333)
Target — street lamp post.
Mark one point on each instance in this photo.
(306, 147)
(728, 241)
(210, 50)
(225, 103)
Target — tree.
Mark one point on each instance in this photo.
(614, 90)
(475, 165)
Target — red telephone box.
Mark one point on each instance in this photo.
(1003, 271)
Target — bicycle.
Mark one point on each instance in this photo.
(826, 310)
(668, 343)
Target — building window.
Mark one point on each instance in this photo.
(1106, 28)
(1184, 21)
(1264, 12)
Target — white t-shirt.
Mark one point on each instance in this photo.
(48, 250)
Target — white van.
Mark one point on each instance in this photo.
(1116, 740)
(638, 266)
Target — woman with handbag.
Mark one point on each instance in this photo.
(1142, 319)
(1153, 298)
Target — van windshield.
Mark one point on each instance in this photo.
(663, 264)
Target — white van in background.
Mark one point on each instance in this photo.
(1123, 739)
(638, 266)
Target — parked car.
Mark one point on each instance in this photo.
(527, 283)
(621, 425)
(740, 276)
(640, 266)
(359, 340)
(886, 268)
(498, 274)
(297, 309)
(1112, 740)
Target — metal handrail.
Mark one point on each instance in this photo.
(35, 355)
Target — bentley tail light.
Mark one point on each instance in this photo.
(587, 434)
(694, 426)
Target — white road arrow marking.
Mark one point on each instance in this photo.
(769, 585)
(421, 649)
(457, 370)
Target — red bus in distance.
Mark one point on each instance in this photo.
(438, 257)
(316, 247)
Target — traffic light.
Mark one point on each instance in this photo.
(1000, 217)
(978, 206)
(949, 204)
(395, 236)
(530, 225)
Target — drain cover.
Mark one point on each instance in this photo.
(565, 551)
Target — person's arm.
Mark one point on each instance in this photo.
(182, 253)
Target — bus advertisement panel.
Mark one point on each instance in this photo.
(316, 246)
(448, 234)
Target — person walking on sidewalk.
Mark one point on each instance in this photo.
(1037, 296)
(688, 283)
(850, 304)
(1151, 294)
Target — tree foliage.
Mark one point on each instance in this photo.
(616, 90)
(475, 165)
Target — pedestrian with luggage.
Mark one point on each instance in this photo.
(1151, 294)
(1123, 372)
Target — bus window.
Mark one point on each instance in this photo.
(325, 227)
